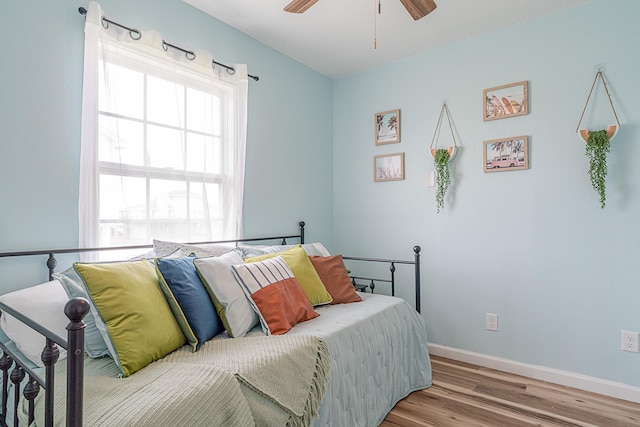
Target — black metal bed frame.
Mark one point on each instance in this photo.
(77, 308)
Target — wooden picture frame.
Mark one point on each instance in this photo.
(388, 167)
(505, 101)
(387, 127)
(506, 154)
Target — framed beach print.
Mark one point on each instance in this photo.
(387, 127)
(505, 101)
(388, 167)
(507, 154)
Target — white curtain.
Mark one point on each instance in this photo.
(149, 53)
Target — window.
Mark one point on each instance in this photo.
(160, 150)
(168, 146)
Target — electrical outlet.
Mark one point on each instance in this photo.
(630, 341)
(491, 322)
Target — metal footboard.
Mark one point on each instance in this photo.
(15, 370)
(362, 283)
(75, 311)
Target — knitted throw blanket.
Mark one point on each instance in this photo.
(282, 377)
(264, 381)
(170, 394)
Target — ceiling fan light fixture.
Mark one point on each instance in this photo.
(299, 6)
(419, 8)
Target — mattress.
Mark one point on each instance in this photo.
(379, 355)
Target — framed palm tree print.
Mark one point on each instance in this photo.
(388, 167)
(387, 127)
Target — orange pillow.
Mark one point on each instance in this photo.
(275, 294)
(336, 280)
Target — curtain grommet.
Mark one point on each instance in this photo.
(135, 31)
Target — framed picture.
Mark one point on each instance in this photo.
(387, 126)
(505, 101)
(508, 154)
(388, 167)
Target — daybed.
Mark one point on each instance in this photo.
(333, 362)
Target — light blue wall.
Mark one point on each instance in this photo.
(532, 246)
(289, 152)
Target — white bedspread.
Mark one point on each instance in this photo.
(379, 355)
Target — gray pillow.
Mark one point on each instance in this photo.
(94, 344)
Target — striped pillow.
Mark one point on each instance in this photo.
(275, 294)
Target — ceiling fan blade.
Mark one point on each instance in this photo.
(299, 6)
(419, 8)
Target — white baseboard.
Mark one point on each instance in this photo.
(556, 376)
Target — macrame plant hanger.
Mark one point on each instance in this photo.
(443, 178)
(612, 130)
(452, 149)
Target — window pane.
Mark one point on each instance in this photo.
(122, 198)
(199, 111)
(205, 211)
(120, 141)
(172, 230)
(205, 200)
(167, 199)
(164, 146)
(121, 234)
(165, 102)
(121, 90)
(203, 154)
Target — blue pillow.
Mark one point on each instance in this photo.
(188, 299)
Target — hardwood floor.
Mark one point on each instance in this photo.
(468, 395)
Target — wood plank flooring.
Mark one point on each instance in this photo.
(468, 395)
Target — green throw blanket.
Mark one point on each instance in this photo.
(264, 381)
(282, 377)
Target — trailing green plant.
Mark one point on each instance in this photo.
(443, 176)
(598, 145)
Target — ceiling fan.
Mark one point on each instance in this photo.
(416, 8)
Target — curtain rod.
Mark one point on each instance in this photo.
(165, 45)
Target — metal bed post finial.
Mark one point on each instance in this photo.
(75, 311)
(301, 224)
(416, 251)
(392, 269)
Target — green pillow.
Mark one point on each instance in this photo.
(139, 323)
(299, 263)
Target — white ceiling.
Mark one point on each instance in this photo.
(336, 37)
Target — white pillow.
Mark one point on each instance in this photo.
(163, 249)
(232, 305)
(312, 249)
(45, 305)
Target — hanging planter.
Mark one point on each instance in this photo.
(441, 158)
(598, 145)
(443, 176)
